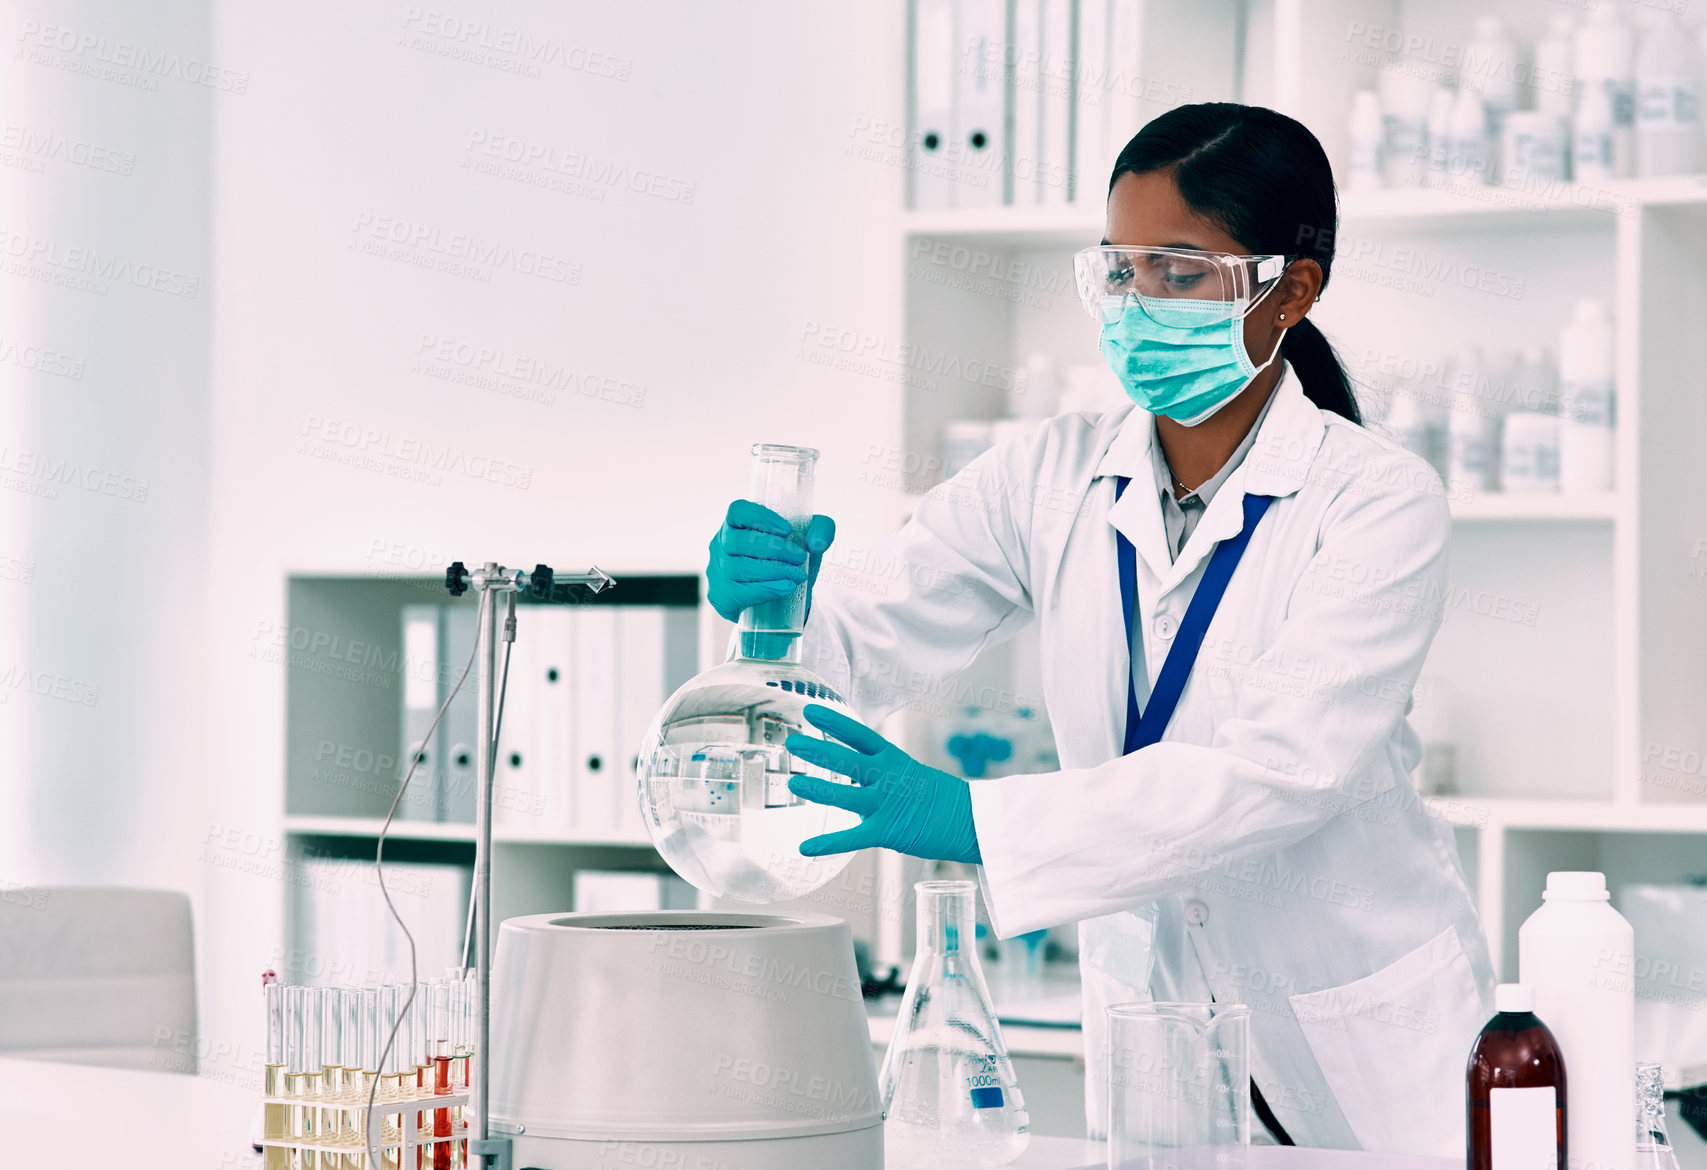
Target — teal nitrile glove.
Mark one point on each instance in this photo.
(903, 805)
(754, 558)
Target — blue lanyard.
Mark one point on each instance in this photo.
(1146, 729)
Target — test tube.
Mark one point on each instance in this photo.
(308, 1071)
(365, 1058)
(350, 1006)
(459, 1034)
(392, 1028)
(423, 1055)
(277, 1116)
(332, 1072)
(350, 1073)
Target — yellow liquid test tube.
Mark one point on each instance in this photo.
(276, 1120)
(331, 1128)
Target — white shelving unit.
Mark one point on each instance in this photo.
(1581, 684)
(339, 812)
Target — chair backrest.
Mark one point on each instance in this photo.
(98, 976)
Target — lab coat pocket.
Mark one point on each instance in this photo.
(1392, 1047)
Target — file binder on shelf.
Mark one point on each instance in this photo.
(517, 802)
(978, 142)
(458, 732)
(1091, 99)
(552, 737)
(1025, 93)
(592, 699)
(422, 670)
(1055, 156)
(931, 125)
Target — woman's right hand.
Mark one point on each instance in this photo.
(755, 558)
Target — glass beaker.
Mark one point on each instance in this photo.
(950, 1097)
(1179, 1086)
(713, 770)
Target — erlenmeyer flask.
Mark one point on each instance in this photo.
(1653, 1144)
(713, 772)
(950, 1099)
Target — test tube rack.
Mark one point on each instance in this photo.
(390, 1113)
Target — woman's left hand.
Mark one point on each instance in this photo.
(903, 805)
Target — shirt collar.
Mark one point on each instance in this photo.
(1206, 491)
(1283, 444)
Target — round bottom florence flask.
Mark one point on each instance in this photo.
(713, 769)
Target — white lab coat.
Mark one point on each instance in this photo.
(1271, 849)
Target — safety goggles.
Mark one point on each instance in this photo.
(1175, 286)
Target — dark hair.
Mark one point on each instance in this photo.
(1266, 180)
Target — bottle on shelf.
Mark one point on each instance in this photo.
(1605, 60)
(1578, 953)
(1431, 718)
(1529, 438)
(1594, 137)
(1467, 140)
(1668, 98)
(1364, 172)
(1535, 149)
(1515, 1089)
(1489, 69)
(1416, 419)
(1472, 427)
(1403, 102)
(1038, 396)
(1554, 73)
(1439, 134)
(1587, 406)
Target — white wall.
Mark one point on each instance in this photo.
(715, 232)
(698, 303)
(105, 185)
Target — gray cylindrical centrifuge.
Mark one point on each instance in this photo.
(682, 1038)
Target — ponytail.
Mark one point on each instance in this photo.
(1265, 179)
(1311, 356)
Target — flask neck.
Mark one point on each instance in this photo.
(947, 925)
(781, 481)
(769, 645)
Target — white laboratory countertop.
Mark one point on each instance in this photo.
(73, 1117)
(1051, 1153)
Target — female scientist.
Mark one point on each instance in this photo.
(1237, 585)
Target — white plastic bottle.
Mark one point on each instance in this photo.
(1668, 98)
(1439, 135)
(1594, 137)
(1037, 396)
(1364, 172)
(1535, 148)
(1529, 433)
(1586, 403)
(1579, 955)
(1467, 141)
(1555, 68)
(1489, 69)
(1605, 52)
(1470, 428)
(1404, 99)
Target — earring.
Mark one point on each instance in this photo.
(1283, 316)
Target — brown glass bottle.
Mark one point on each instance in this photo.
(1514, 1051)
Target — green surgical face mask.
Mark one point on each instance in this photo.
(1187, 369)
